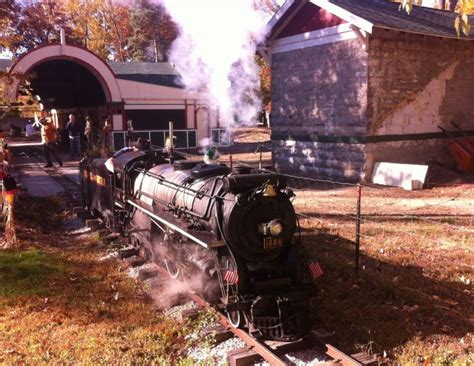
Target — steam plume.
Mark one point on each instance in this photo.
(215, 53)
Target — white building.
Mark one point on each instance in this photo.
(72, 79)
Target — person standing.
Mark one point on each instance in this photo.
(75, 130)
(129, 136)
(29, 129)
(89, 134)
(49, 136)
(106, 137)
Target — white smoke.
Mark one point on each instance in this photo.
(215, 54)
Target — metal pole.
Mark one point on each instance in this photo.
(357, 238)
(171, 137)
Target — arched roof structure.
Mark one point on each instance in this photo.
(98, 67)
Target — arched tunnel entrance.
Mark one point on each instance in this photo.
(69, 87)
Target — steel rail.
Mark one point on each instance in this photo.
(341, 357)
(250, 341)
(264, 351)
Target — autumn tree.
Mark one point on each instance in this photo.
(269, 7)
(9, 16)
(153, 32)
(119, 17)
(89, 25)
(100, 26)
(38, 23)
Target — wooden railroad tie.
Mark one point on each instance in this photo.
(219, 333)
(94, 224)
(147, 273)
(242, 357)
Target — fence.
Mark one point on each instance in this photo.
(385, 217)
(184, 138)
(220, 137)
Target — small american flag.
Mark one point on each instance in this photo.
(232, 277)
(315, 270)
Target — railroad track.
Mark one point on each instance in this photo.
(271, 351)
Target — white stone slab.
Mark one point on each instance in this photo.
(406, 176)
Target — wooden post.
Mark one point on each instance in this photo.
(357, 237)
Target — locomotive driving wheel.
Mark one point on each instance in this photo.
(172, 268)
(229, 280)
(236, 318)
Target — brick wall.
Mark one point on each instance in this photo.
(319, 100)
(415, 83)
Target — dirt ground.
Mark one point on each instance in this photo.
(411, 303)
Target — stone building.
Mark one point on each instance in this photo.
(72, 79)
(360, 81)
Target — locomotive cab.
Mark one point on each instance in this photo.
(107, 183)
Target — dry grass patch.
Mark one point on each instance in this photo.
(413, 299)
(250, 134)
(59, 304)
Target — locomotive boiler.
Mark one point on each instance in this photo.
(231, 234)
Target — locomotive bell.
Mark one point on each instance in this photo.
(269, 190)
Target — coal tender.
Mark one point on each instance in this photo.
(231, 234)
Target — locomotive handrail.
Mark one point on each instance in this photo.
(185, 209)
(176, 185)
(169, 224)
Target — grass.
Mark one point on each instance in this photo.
(389, 305)
(60, 305)
(27, 272)
(412, 300)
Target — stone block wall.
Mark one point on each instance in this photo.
(339, 161)
(319, 101)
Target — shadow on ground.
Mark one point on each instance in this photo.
(388, 304)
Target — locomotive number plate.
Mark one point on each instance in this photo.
(271, 243)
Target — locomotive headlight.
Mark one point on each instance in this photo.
(276, 228)
(272, 228)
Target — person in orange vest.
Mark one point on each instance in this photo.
(49, 136)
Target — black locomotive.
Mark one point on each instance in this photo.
(230, 233)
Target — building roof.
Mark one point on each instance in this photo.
(386, 14)
(157, 73)
(383, 14)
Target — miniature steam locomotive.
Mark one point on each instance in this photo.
(231, 234)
